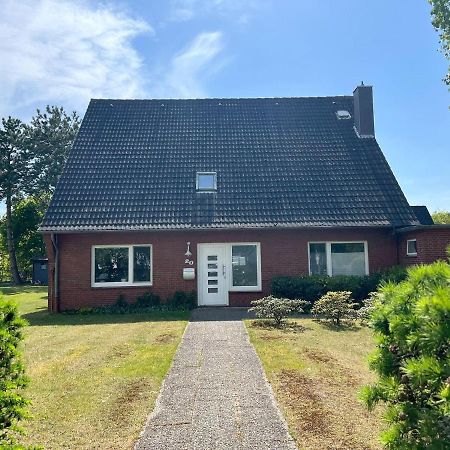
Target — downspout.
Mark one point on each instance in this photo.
(55, 303)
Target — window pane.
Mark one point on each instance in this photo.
(111, 265)
(412, 247)
(142, 261)
(205, 181)
(348, 259)
(245, 267)
(317, 259)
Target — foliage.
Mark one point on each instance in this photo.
(412, 327)
(442, 217)
(49, 138)
(12, 377)
(312, 287)
(365, 312)
(26, 217)
(121, 301)
(183, 300)
(148, 299)
(276, 309)
(440, 12)
(15, 160)
(335, 306)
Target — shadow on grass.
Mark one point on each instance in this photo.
(346, 325)
(286, 326)
(41, 317)
(9, 289)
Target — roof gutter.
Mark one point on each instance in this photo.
(222, 228)
(55, 300)
(436, 226)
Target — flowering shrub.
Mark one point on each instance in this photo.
(277, 309)
(335, 306)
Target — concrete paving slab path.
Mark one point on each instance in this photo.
(216, 395)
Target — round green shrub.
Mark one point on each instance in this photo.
(411, 321)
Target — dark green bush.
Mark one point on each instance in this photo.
(183, 300)
(121, 301)
(313, 287)
(411, 321)
(148, 299)
(12, 377)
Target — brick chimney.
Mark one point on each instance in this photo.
(363, 111)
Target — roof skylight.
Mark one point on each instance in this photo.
(342, 114)
(206, 181)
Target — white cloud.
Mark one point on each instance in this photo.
(188, 70)
(239, 10)
(65, 52)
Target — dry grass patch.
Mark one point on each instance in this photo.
(94, 378)
(316, 375)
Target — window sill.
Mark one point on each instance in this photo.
(413, 255)
(119, 285)
(246, 289)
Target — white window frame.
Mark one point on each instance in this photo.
(214, 188)
(128, 283)
(328, 254)
(232, 288)
(408, 253)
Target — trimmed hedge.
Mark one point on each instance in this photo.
(313, 287)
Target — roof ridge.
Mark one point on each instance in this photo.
(221, 98)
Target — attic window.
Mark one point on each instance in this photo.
(342, 114)
(206, 181)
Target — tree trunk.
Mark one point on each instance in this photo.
(10, 241)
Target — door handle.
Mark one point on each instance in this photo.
(224, 270)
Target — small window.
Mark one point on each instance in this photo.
(123, 265)
(411, 247)
(206, 181)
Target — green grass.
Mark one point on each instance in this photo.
(316, 374)
(94, 378)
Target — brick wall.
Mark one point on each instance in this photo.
(431, 245)
(283, 252)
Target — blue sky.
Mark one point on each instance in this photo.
(65, 52)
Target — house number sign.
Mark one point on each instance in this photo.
(188, 255)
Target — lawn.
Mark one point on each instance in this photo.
(94, 378)
(316, 375)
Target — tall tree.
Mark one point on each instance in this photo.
(50, 136)
(14, 170)
(440, 12)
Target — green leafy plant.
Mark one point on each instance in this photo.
(121, 301)
(148, 299)
(277, 309)
(365, 312)
(183, 300)
(412, 328)
(12, 377)
(335, 306)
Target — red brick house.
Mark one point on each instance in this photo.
(221, 195)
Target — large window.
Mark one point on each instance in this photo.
(338, 258)
(246, 267)
(121, 265)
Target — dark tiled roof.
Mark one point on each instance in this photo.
(423, 215)
(279, 162)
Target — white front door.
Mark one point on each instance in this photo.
(212, 272)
